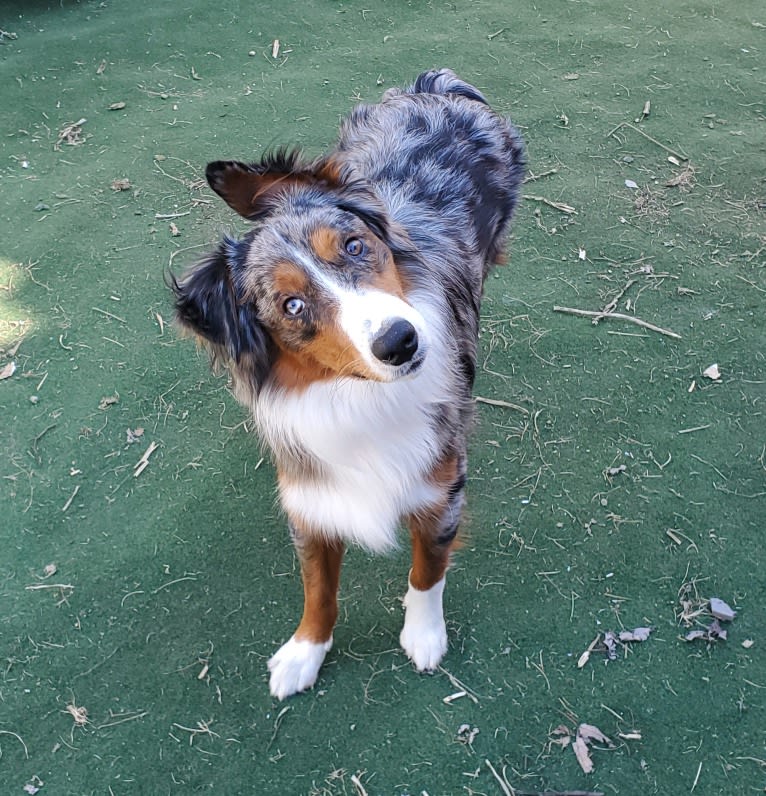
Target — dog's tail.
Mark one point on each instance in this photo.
(445, 81)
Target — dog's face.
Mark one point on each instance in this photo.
(316, 290)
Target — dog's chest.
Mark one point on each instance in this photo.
(369, 450)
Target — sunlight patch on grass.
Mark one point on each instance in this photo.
(15, 320)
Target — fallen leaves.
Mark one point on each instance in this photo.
(108, 400)
(7, 371)
(721, 610)
(710, 633)
(611, 642)
(134, 435)
(70, 134)
(584, 737)
(639, 634)
(694, 608)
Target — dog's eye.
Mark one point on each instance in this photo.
(294, 306)
(354, 247)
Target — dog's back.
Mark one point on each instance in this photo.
(439, 156)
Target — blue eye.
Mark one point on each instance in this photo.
(294, 306)
(354, 247)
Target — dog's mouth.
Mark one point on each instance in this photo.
(392, 374)
(413, 366)
(406, 370)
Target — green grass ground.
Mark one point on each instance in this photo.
(172, 588)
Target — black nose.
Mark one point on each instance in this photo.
(397, 344)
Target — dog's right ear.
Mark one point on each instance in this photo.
(252, 189)
(207, 305)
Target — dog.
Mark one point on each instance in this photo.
(348, 319)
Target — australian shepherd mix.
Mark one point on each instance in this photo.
(348, 320)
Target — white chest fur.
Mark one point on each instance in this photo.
(376, 444)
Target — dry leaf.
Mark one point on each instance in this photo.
(581, 253)
(712, 372)
(631, 184)
(101, 68)
(747, 643)
(8, 370)
(721, 610)
(571, 76)
(637, 634)
(116, 106)
(174, 231)
(610, 640)
(592, 733)
(716, 631)
(275, 49)
(580, 748)
(134, 435)
(121, 185)
(587, 734)
(34, 785)
(108, 401)
(712, 632)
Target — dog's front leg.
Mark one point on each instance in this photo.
(424, 635)
(295, 666)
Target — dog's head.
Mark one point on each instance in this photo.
(317, 290)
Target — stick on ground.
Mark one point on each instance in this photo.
(597, 316)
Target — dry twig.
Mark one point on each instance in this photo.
(597, 316)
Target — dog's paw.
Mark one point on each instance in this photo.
(424, 635)
(295, 665)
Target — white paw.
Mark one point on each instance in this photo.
(424, 635)
(295, 665)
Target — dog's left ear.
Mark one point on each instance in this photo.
(207, 305)
(252, 188)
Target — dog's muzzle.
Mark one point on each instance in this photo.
(397, 344)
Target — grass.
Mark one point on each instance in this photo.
(610, 480)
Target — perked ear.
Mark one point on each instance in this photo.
(206, 305)
(252, 189)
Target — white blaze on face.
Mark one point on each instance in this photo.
(365, 314)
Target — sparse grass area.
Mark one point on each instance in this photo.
(146, 573)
